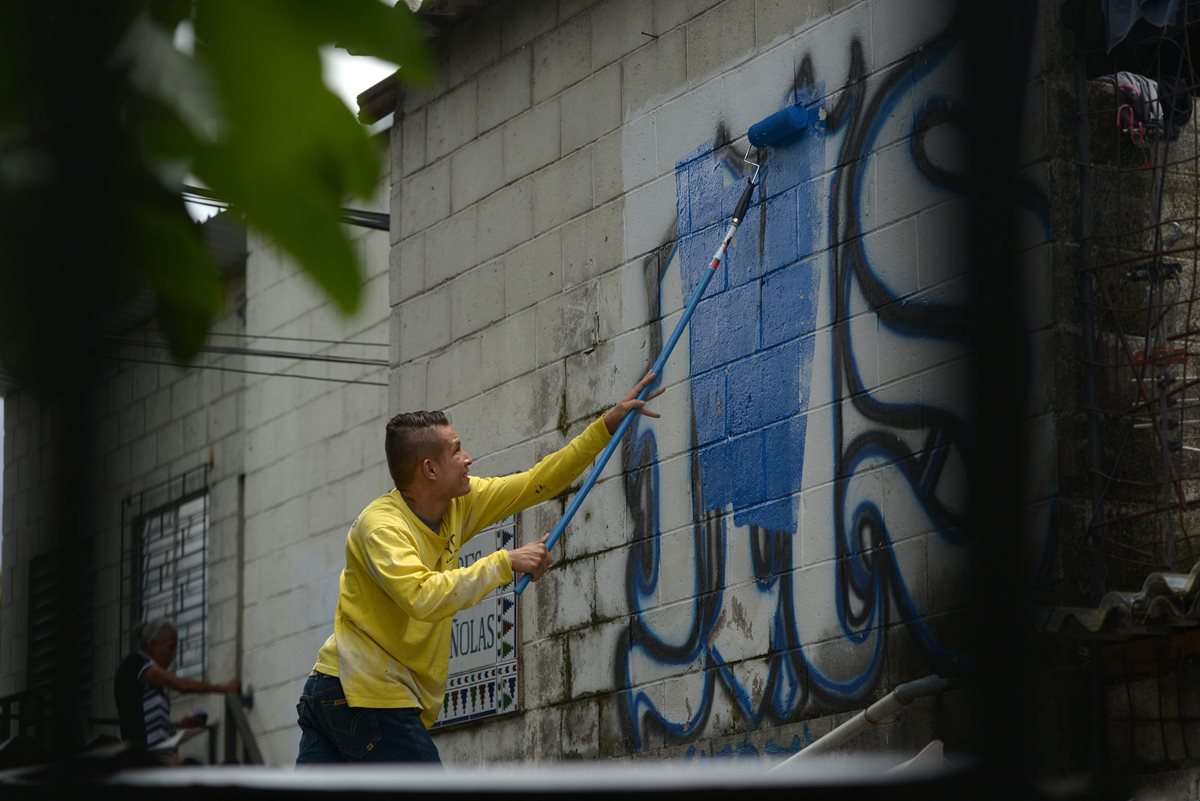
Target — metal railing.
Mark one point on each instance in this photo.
(27, 721)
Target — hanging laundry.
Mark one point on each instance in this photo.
(1121, 15)
(1139, 113)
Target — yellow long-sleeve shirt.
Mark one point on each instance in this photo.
(401, 585)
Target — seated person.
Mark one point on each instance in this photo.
(140, 688)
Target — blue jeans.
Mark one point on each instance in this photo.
(333, 731)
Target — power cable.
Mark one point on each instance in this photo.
(248, 372)
(273, 354)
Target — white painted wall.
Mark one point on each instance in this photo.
(718, 601)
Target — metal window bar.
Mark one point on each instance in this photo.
(165, 561)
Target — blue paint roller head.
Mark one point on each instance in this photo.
(783, 126)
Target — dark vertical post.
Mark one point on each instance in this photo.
(998, 37)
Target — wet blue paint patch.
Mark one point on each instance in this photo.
(725, 328)
(783, 291)
(708, 406)
(757, 250)
(764, 388)
(750, 338)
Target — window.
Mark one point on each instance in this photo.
(166, 555)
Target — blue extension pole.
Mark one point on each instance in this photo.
(738, 215)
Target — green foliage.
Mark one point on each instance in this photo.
(102, 120)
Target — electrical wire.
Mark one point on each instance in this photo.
(376, 220)
(248, 372)
(273, 354)
(299, 339)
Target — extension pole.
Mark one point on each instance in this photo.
(738, 215)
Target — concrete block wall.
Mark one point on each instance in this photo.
(776, 548)
(154, 423)
(313, 451)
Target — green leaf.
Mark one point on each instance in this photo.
(169, 255)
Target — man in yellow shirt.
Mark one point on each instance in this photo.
(380, 678)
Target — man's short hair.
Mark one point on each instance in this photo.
(157, 630)
(412, 437)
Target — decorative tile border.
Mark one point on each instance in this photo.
(483, 676)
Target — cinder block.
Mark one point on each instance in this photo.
(758, 89)
(562, 191)
(649, 217)
(576, 596)
(505, 219)
(599, 523)
(677, 568)
(654, 73)
(407, 269)
(900, 28)
(561, 57)
(532, 140)
(454, 374)
(224, 417)
(410, 394)
(612, 600)
(581, 730)
(591, 108)
(545, 672)
(533, 272)
(525, 21)
(185, 396)
(451, 121)
(900, 355)
(675, 481)
(415, 97)
(424, 324)
(626, 297)
(425, 199)
(544, 734)
(476, 299)
(779, 19)
(505, 90)
(195, 431)
(687, 123)
(942, 243)
(607, 181)
(639, 152)
(412, 144)
(476, 170)
(592, 244)
(717, 40)
(669, 14)
(452, 247)
(127, 426)
(525, 407)
(619, 27)
(834, 46)
(475, 44)
(169, 445)
(591, 389)
(891, 255)
(505, 351)
(569, 8)
(566, 323)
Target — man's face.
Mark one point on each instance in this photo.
(163, 651)
(454, 465)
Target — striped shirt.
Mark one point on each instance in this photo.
(144, 710)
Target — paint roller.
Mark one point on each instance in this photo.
(777, 129)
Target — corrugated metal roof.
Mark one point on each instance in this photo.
(1167, 603)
